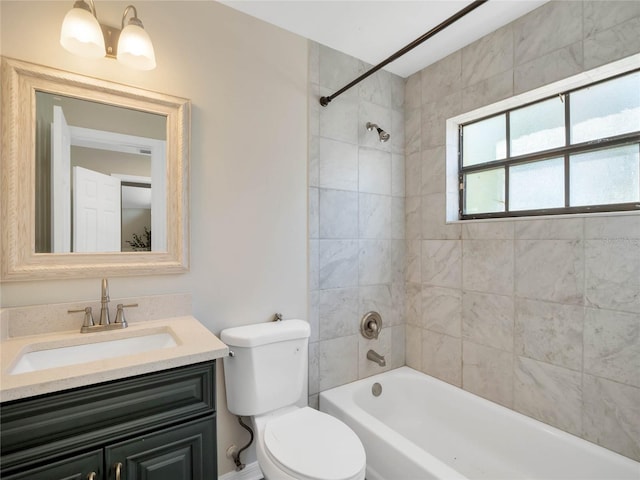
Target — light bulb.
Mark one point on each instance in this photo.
(81, 34)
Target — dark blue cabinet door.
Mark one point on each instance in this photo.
(79, 467)
(184, 452)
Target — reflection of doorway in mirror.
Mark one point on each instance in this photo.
(136, 212)
(107, 153)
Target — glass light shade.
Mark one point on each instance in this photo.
(135, 49)
(81, 34)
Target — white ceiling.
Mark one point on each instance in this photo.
(374, 30)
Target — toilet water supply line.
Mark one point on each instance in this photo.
(236, 455)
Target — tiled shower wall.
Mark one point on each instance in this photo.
(356, 220)
(542, 316)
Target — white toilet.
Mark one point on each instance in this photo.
(264, 380)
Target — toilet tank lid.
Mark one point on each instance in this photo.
(264, 333)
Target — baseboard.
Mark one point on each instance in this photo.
(249, 472)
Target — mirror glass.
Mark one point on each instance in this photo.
(100, 175)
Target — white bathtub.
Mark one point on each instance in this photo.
(421, 428)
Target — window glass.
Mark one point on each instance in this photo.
(537, 185)
(485, 191)
(606, 109)
(606, 176)
(537, 127)
(485, 141)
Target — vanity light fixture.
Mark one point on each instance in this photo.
(84, 35)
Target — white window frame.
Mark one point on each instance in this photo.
(452, 128)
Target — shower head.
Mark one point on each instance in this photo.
(384, 136)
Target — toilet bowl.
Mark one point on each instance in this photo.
(305, 444)
(264, 380)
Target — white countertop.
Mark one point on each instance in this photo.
(195, 343)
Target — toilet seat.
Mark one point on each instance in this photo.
(311, 445)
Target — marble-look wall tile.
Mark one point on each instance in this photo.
(397, 357)
(397, 175)
(412, 129)
(337, 361)
(413, 347)
(413, 91)
(314, 161)
(338, 312)
(488, 91)
(376, 88)
(340, 121)
(442, 310)
(314, 264)
(550, 229)
(442, 357)
(488, 230)
(414, 304)
(397, 218)
(374, 217)
(434, 165)
(374, 171)
(338, 261)
(487, 319)
(374, 262)
(338, 165)
(549, 332)
(612, 44)
(549, 393)
(623, 227)
(314, 315)
(488, 266)
(548, 28)
(314, 374)
(601, 15)
(441, 263)
(413, 217)
(313, 104)
(488, 372)
(314, 401)
(413, 172)
(377, 298)
(434, 226)
(611, 413)
(398, 85)
(337, 69)
(338, 214)
(549, 68)
(413, 259)
(396, 130)
(612, 345)
(442, 78)
(550, 270)
(612, 270)
(490, 55)
(314, 217)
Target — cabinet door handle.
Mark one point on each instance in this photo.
(118, 469)
(91, 476)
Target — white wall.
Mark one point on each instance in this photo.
(247, 82)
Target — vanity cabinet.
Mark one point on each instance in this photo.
(160, 426)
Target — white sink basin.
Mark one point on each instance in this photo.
(42, 359)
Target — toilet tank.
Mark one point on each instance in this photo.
(268, 368)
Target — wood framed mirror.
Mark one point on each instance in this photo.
(95, 177)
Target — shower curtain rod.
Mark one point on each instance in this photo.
(324, 101)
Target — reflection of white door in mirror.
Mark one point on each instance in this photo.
(60, 183)
(96, 211)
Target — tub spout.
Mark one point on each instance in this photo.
(376, 357)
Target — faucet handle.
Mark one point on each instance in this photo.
(88, 316)
(120, 313)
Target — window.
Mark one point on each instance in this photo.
(578, 151)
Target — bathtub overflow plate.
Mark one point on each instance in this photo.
(376, 389)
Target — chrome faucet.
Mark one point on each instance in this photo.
(105, 323)
(376, 357)
(104, 303)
